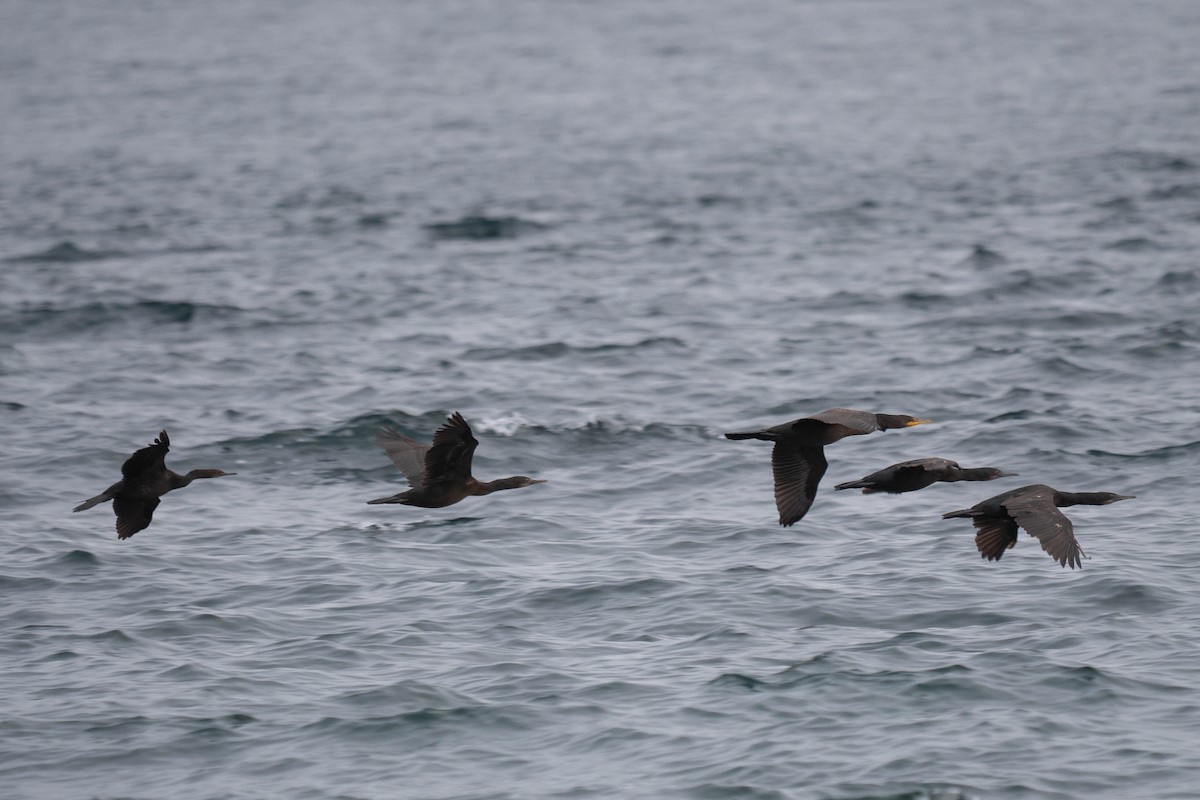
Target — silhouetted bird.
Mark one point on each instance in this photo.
(908, 476)
(798, 460)
(144, 479)
(1034, 508)
(440, 475)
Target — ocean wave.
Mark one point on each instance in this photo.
(1135, 244)
(1186, 450)
(68, 252)
(983, 257)
(732, 791)
(422, 723)
(599, 593)
(48, 318)
(364, 428)
(1176, 191)
(1178, 280)
(916, 793)
(334, 196)
(478, 227)
(553, 350)
(65, 253)
(411, 694)
(336, 435)
(78, 558)
(1141, 160)
(839, 674)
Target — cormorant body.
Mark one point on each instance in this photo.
(908, 476)
(440, 474)
(1034, 508)
(144, 479)
(798, 459)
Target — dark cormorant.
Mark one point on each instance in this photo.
(1034, 508)
(908, 476)
(144, 479)
(798, 459)
(440, 475)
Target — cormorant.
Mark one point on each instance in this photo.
(440, 475)
(144, 479)
(1034, 508)
(908, 476)
(798, 460)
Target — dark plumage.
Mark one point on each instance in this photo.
(440, 475)
(798, 460)
(908, 476)
(144, 479)
(1034, 508)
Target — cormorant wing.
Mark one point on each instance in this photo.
(151, 458)
(994, 536)
(910, 475)
(931, 469)
(798, 470)
(133, 514)
(854, 422)
(937, 466)
(407, 455)
(907, 476)
(450, 455)
(1037, 514)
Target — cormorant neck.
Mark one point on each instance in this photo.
(183, 480)
(1063, 499)
(487, 487)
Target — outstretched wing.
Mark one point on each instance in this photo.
(994, 536)
(798, 470)
(407, 455)
(133, 514)
(1037, 514)
(150, 459)
(452, 450)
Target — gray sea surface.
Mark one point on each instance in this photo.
(606, 233)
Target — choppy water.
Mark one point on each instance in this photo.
(605, 232)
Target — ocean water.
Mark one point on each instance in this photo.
(606, 233)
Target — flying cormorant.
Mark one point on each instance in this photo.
(798, 459)
(1034, 508)
(440, 475)
(144, 479)
(908, 476)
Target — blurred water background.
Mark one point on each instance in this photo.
(605, 233)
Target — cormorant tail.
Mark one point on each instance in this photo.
(93, 501)
(395, 498)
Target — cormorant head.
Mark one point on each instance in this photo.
(522, 481)
(515, 482)
(991, 473)
(209, 473)
(889, 421)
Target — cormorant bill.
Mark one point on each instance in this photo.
(1034, 508)
(144, 479)
(440, 475)
(908, 476)
(798, 459)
